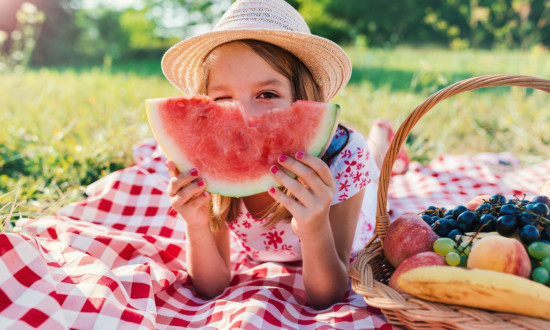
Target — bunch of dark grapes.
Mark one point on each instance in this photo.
(529, 218)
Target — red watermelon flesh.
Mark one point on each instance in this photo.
(232, 150)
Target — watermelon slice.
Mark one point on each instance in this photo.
(232, 150)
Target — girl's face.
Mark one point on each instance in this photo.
(237, 73)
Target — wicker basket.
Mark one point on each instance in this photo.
(371, 271)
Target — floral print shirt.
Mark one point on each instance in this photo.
(353, 169)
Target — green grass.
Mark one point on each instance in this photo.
(391, 83)
(63, 129)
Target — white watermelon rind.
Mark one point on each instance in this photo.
(244, 188)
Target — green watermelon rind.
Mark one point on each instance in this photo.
(245, 187)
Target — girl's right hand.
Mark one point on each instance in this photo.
(187, 195)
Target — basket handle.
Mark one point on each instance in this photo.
(382, 217)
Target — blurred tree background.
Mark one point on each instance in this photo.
(73, 116)
(79, 32)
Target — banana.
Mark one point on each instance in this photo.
(478, 288)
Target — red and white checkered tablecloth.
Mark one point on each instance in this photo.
(452, 180)
(117, 260)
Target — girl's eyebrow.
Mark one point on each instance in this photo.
(268, 82)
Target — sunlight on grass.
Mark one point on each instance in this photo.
(65, 129)
(390, 84)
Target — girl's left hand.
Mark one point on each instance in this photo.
(313, 190)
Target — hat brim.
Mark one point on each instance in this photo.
(182, 64)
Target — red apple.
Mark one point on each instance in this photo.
(420, 259)
(407, 236)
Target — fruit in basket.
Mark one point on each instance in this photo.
(501, 254)
(428, 258)
(475, 202)
(497, 199)
(407, 236)
(542, 199)
(467, 221)
(506, 225)
(444, 245)
(523, 219)
(540, 209)
(487, 222)
(541, 275)
(478, 288)
(545, 262)
(539, 250)
(453, 259)
(455, 252)
(529, 234)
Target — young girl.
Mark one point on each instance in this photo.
(262, 55)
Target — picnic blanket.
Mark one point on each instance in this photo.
(116, 259)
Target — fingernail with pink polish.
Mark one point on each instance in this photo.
(299, 155)
(194, 172)
(274, 169)
(200, 183)
(282, 158)
(272, 190)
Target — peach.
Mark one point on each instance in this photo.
(407, 236)
(477, 201)
(501, 254)
(428, 258)
(545, 189)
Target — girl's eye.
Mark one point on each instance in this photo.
(223, 98)
(267, 95)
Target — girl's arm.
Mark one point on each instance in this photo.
(208, 259)
(207, 253)
(326, 232)
(326, 257)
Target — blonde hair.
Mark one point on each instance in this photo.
(226, 209)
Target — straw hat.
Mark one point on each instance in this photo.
(273, 21)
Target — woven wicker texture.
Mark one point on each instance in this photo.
(371, 271)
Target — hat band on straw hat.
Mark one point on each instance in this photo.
(272, 21)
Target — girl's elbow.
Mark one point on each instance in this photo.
(326, 300)
(324, 303)
(321, 306)
(211, 292)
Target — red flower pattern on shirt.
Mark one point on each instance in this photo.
(350, 165)
(350, 170)
(357, 177)
(344, 186)
(273, 238)
(343, 197)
